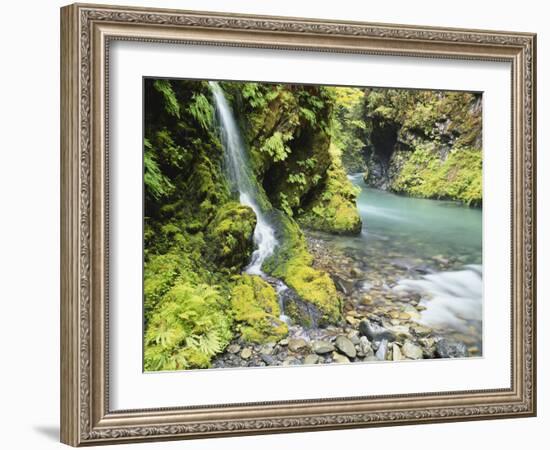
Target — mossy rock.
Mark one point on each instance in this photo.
(457, 177)
(256, 309)
(229, 236)
(293, 263)
(334, 210)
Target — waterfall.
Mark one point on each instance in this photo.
(242, 180)
(241, 177)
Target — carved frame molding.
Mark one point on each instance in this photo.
(86, 31)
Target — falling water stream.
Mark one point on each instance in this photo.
(242, 180)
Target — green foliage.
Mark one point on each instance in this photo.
(156, 183)
(284, 204)
(171, 102)
(186, 329)
(334, 209)
(275, 146)
(256, 309)
(309, 115)
(197, 237)
(348, 128)
(160, 274)
(438, 148)
(201, 109)
(258, 94)
(458, 176)
(297, 178)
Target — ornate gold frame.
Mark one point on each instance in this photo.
(86, 31)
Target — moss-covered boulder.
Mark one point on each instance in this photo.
(256, 309)
(333, 209)
(293, 263)
(229, 236)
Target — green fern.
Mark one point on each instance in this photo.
(187, 328)
(202, 110)
(156, 184)
(171, 102)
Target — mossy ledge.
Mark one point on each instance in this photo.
(333, 210)
(256, 310)
(293, 264)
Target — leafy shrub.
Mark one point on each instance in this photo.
(186, 328)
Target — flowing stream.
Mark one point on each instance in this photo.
(429, 247)
(242, 180)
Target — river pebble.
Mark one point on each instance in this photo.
(345, 346)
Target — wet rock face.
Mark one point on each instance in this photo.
(301, 312)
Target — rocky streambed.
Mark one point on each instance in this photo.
(381, 323)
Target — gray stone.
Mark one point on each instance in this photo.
(382, 350)
(353, 336)
(234, 348)
(322, 347)
(446, 348)
(340, 359)
(365, 346)
(344, 285)
(311, 359)
(396, 352)
(295, 345)
(421, 330)
(345, 346)
(291, 361)
(375, 332)
(411, 350)
(283, 342)
(246, 353)
(267, 349)
(268, 359)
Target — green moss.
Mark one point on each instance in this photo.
(437, 153)
(458, 176)
(187, 328)
(160, 274)
(334, 209)
(230, 235)
(292, 263)
(256, 309)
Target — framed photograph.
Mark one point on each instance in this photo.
(277, 224)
